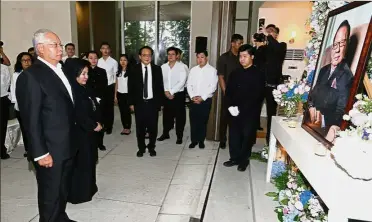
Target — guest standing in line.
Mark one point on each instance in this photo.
(111, 66)
(88, 119)
(146, 96)
(5, 102)
(201, 85)
(121, 94)
(70, 52)
(174, 77)
(46, 104)
(244, 94)
(24, 60)
(228, 62)
(97, 81)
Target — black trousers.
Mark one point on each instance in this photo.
(146, 116)
(108, 107)
(4, 121)
(271, 107)
(199, 115)
(242, 136)
(24, 136)
(175, 110)
(53, 187)
(99, 137)
(125, 113)
(223, 121)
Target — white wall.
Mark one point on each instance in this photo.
(19, 20)
(201, 23)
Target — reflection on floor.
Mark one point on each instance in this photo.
(170, 187)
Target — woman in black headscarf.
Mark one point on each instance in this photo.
(88, 119)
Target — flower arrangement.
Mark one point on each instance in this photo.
(361, 118)
(317, 23)
(290, 94)
(296, 201)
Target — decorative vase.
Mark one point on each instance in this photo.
(289, 110)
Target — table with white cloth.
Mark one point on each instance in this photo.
(345, 197)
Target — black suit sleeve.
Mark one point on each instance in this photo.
(104, 77)
(131, 87)
(230, 90)
(30, 97)
(161, 87)
(344, 89)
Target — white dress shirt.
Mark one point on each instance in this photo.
(174, 78)
(66, 57)
(150, 93)
(111, 67)
(62, 76)
(202, 82)
(13, 89)
(122, 83)
(5, 80)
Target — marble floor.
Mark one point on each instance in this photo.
(170, 187)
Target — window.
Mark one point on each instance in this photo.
(146, 24)
(139, 27)
(174, 29)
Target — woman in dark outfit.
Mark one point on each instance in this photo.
(88, 119)
(244, 93)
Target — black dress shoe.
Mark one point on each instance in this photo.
(163, 137)
(179, 141)
(102, 147)
(25, 154)
(139, 153)
(193, 145)
(109, 131)
(222, 145)
(5, 156)
(201, 145)
(243, 166)
(152, 152)
(230, 163)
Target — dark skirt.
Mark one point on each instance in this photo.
(83, 182)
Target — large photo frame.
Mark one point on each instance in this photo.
(341, 67)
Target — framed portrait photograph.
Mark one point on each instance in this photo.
(341, 67)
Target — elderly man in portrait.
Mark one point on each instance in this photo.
(46, 104)
(330, 94)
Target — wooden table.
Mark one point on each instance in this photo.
(345, 197)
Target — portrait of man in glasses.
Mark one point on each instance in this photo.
(330, 94)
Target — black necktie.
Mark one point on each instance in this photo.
(145, 90)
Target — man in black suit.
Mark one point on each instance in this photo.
(146, 96)
(275, 55)
(46, 105)
(329, 96)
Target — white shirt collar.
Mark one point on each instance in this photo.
(59, 66)
(143, 65)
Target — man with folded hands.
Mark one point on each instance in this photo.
(243, 97)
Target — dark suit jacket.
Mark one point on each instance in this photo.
(331, 101)
(135, 85)
(47, 111)
(275, 55)
(97, 81)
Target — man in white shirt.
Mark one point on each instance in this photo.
(111, 66)
(70, 52)
(174, 78)
(201, 85)
(5, 83)
(46, 104)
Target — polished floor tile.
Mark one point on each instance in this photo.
(173, 218)
(181, 199)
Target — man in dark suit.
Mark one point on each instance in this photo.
(98, 82)
(146, 96)
(46, 105)
(329, 96)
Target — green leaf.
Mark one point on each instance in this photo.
(280, 216)
(296, 218)
(272, 194)
(276, 199)
(284, 202)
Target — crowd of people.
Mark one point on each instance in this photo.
(64, 106)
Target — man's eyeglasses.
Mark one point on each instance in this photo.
(339, 44)
(26, 60)
(146, 55)
(53, 44)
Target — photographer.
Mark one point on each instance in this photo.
(3, 58)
